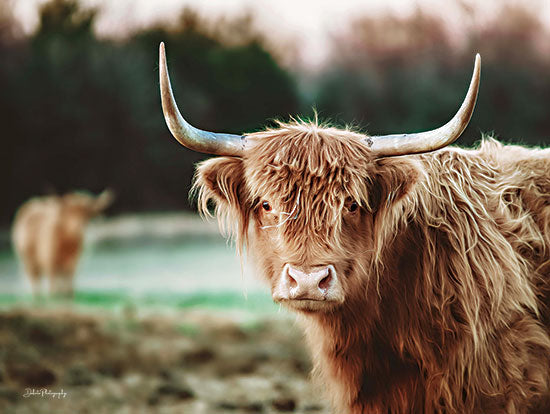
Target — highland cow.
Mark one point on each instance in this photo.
(48, 233)
(420, 272)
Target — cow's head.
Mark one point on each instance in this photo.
(84, 205)
(304, 198)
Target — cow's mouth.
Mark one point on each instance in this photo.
(308, 305)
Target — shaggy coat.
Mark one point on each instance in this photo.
(47, 236)
(444, 264)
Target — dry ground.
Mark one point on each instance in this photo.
(179, 362)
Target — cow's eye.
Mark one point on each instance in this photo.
(266, 206)
(353, 206)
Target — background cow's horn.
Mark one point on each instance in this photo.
(401, 144)
(187, 135)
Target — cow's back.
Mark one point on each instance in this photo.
(525, 190)
(34, 232)
(530, 172)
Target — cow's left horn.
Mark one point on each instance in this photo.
(187, 135)
(401, 144)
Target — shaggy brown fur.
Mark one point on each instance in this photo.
(444, 265)
(47, 236)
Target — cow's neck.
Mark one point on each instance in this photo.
(359, 364)
(359, 354)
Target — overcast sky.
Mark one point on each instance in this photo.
(308, 23)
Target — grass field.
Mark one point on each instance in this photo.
(256, 302)
(171, 260)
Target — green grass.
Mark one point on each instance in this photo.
(253, 302)
(7, 300)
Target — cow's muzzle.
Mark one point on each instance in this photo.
(306, 288)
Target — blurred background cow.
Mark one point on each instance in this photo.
(155, 324)
(48, 233)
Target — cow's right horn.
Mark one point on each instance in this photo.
(187, 135)
(402, 144)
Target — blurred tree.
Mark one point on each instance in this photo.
(398, 75)
(408, 74)
(11, 49)
(87, 111)
(81, 112)
(515, 98)
(9, 28)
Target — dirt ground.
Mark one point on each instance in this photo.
(188, 362)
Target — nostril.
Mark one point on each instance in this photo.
(324, 284)
(292, 282)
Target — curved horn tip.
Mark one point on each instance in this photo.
(162, 52)
(477, 66)
(187, 135)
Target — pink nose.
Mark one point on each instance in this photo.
(319, 283)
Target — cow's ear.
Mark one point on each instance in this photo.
(393, 179)
(222, 181)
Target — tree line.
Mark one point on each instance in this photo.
(82, 112)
